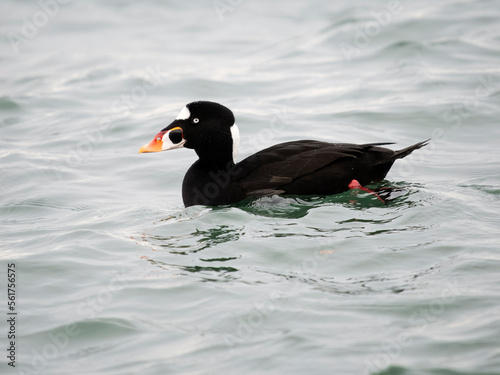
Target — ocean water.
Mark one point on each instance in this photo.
(110, 274)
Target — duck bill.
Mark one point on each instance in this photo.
(153, 146)
(165, 140)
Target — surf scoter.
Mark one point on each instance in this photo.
(298, 168)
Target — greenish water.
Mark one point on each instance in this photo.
(114, 276)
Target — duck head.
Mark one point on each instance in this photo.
(206, 127)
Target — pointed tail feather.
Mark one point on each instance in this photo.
(408, 150)
(404, 152)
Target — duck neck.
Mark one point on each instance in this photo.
(215, 160)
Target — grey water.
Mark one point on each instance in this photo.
(114, 276)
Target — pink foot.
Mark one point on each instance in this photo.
(354, 184)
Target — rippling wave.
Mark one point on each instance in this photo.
(114, 276)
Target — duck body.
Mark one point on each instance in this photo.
(304, 167)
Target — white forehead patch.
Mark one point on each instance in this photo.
(235, 134)
(184, 114)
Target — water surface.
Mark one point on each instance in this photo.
(114, 276)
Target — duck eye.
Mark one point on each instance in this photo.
(158, 139)
(196, 120)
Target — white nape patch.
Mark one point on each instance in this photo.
(184, 114)
(235, 135)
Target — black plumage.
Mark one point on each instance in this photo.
(305, 167)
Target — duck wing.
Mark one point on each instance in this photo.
(309, 167)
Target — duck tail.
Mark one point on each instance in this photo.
(404, 152)
(408, 150)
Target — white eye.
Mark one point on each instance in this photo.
(195, 120)
(158, 139)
